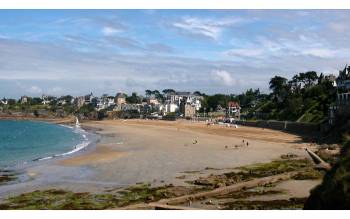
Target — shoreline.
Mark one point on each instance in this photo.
(90, 138)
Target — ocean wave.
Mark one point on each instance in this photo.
(78, 147)
(67, 126)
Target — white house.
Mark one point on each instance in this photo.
(110, 101)
(171, 108)
(100, 104)
(88, 98)
(3, 101)
(45, 99)
(24, 99)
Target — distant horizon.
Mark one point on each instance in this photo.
(75, 52)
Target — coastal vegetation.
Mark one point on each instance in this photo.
(306, 97)
(145, 193)
(56, 199)
(303, 166)
(283, 204)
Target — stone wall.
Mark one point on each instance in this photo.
(306, 129)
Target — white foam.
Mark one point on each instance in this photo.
(77, 147)
(66, 126)
(46, 158)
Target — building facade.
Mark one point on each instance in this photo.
(233, 110)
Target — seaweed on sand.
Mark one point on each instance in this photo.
(292, 203)
(249, 193)
(61, 199)
(7, 176)
(257, 171)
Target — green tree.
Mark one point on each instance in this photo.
(35, 101)
(197, 93)
(277, 84)
(168, 91)
(310, 78)
(134, 98)
(148, 93)
(11, 102)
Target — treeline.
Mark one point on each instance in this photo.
(305, 97)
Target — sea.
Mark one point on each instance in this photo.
(24, 142)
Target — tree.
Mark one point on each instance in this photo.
(35, 101)
(295, 84)
(320, 79)
(67, 98)
(277, 83)
(133, 98)
(11, 102)
(197, 93)
(168, 91)
(156, 92)
(310, 78)
(212, 102)
(148, 93)
(86, 109)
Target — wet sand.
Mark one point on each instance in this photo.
(102, 154)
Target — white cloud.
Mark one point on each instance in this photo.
(319, 52)
(265, 48)
(109, 31)
(211, 28)
(35, 90)
(223, 77)
(254, 52)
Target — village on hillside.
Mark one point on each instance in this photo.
(170, 104)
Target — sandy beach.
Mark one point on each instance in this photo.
(156, 152)
(132, 151)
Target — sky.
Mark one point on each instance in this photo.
(59, 52)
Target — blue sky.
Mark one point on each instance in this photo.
(107, 51)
